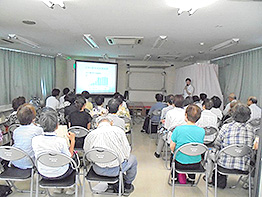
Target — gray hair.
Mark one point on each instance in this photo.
(48, 121)
(103, 119)
(241, 113)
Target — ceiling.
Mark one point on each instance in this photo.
(60, 30)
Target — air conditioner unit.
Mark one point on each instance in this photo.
(124, 40)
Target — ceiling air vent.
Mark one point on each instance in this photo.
(6, 41)
(124, 40)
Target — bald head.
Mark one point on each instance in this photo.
(251, 100)
(232, 97)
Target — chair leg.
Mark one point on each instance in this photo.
(249, 185)
(215, 180)
(83, 186)
(76, 186)
(206, 185)
(32, 183)
(234, 186)
(37, 185)
(120, 184)
(173, 179)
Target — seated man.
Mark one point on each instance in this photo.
(174, 117)
(208, 119)
(197, 102)
(236, 132)
(232, 98)
(50, 142)
(99, 110)
(23, 135)
(169, 101)
(63, 102)
(255, 110)
(186, 134)
(113, 106)
(117, 142)
(215, 109)
(52, 101)
(154, 118)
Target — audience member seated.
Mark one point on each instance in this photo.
(80, 118)
(16, 103)
(154, 118)
(88, 105)
(113, 106)
(117, 142)
(118, 95)
(208, 119)
(174, 117)
(255, 110)
(232, 98)
(197, 102)
(188, 100)
(228, 118)
(203, 96)
(215, 109)
(236, 132)
(99, 110)
(23, 135)
(52, 101)
(62, 98)
(49, 142)
(169, 101)
(122, 110)
(71, 108)
(187, 134)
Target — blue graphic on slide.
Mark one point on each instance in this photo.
(101, 81)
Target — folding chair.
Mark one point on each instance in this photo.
(12, 173)
(234, 150)
(191, 149)
(155, 113)
(55, 159)
(210, 135)
(79, 133)
(101, 155)
(10, 131)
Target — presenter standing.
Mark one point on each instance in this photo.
(188, 89)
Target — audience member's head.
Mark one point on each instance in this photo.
(99, 100)
(216, 101)
(49, 121)
(159, 97)
(208, 104)
(86, 94)
(232, 97)
(55, 92)
(188, 81)
(102, 119)
(26, 114)
(113, 105)
(118, 95)
(193, 113)
(178, 100)
(71, 97)
(80, 102)
(15, 104)
(232, 105)
(188, 100)
(251, 100)
(202, 96)
(241, 113)
(196, 98)
(169, 99)
(66, 91)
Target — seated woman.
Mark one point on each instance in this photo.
(80, 118)
(16, 103)
(50, 142)
(186, 134)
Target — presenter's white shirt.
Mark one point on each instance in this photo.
(190, 89)
(207, 119)
(52, 102)
(255, 112)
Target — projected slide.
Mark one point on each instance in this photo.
(96, 77)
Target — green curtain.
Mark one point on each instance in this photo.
(242, 75)
(25, 75)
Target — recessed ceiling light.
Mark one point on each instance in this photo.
(201, 43)
(219, 26)
(29, 22)
(201, 52)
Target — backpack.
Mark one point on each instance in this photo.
(221, 180)
(5, 190)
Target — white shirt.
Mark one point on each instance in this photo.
(218, 112)
(117, 121)
(227, 108)
(62, 99)
(52, 102)
(207, 119)
(109, 137)
(165, 110)
(190, 89)
(255, 112)
(175, 117)
(53, 143)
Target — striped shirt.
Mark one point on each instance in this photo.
(109, 137)
(234, 133)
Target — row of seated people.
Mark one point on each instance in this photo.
(35, 139)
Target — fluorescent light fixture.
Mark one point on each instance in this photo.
(147, 57)
(52, 3)
(49, 3)
(188, 58)
(225, 44)
(189, 6)
(105, 57)
(159, 42)
(22, 40)
(90, 41)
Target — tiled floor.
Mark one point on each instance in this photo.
(152, 176)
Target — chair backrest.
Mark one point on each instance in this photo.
(255, 122)
(101, 155)
(236, 150)
(192, 149)
(157, 112)
(54, 159)
(12, 127)
(10, 153)
(210, 134)
(78, 131)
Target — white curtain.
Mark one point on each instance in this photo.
(204, 78)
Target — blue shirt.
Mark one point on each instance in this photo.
(23, 140)
(157, 106)
(185, 134)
